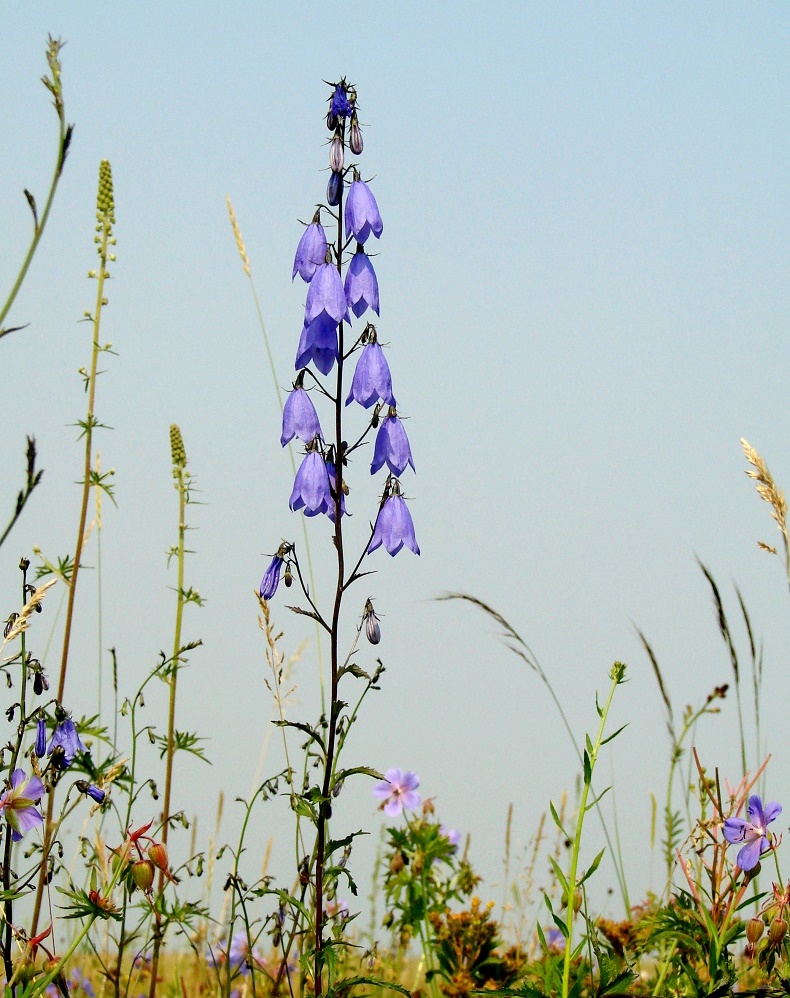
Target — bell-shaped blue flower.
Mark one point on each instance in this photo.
(394, 527)
(392, 446)
(299, 418)
(271, 578)
(361, 285)
(41, 738)
(362, 212)
(341, 106)
(67, 737)
(326, 295)
(318, 343)
(311, 486)
(372, 380)
(311, 251)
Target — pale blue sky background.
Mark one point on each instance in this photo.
(584, 281)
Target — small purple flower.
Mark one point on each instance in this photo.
(271, 578)
(326, 295)
(392, 446)
(753, 832)
(95, 793)
(555, 940)
(311, 251)
(394, 527)
(318, 344)
(311, 486)
(66, 737)
(362, 212)
(361, 285)
(341, 106)
(299, 418)
(452, 836)
(41, 738)
(18, 803)
(372, 379)
(398, 790)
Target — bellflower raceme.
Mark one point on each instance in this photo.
(18, 803)
(67, 738)
(311, 486)
(394, 527)
(311, 251)
(753, 832)
(361, 285)
(372, 380)
(362, 212)
(398, 790)
(392, 446)
(271, 578)
(318, 344)
(299, 418)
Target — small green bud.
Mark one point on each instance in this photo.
(105, 199)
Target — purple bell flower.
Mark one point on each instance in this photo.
(361, 285)
(394, 527)
(341, 106)
(392, 447)
(311, 251)
(334, 189)
(326, 295)
(372, 379)
(362, 212)
(299, 418)
(311, 486)
(66, 736)
(271, 578)
(318, 344)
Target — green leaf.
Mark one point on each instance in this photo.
(614, 734)
(593, 867)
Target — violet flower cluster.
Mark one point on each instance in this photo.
(334, 302)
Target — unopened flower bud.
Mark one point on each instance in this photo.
(334, 189)
(777, 931)
(372, 629)
(397, 862)
(331, 121)
(288, 578)
(754, 929)
(336, 154)
(143, 874)
(355, 137)
(157, 853)
(40, 683)
(41, 738)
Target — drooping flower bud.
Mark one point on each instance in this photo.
(40, 682)
(336, 154)
(288, 578)
(372, 629)
(777, 931)
(157, 853)
(334, 189)
(331, 121)
(754, 929)
(91, 790)
(143, 874)
(355, 137)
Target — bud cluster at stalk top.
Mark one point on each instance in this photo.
(333, 258)
(105, 198)
(177, 449)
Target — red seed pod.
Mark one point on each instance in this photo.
(143, 874)
(336, 154)
(777, 931)
(157, 853)
(355, 136)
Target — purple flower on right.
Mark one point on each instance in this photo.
(392, 446)
(754, 831)
(398, 790)
(362, 212)
(394, 527)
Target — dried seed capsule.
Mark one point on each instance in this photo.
(336, 154)
(355, 137)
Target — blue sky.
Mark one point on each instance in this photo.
(584, 284)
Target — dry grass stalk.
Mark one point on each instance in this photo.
(768, 490)
(22, 622)
(237, 233)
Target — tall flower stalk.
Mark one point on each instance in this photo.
(320, 487)
(105, 241)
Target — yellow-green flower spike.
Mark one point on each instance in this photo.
(105, 199)
(177, 447)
